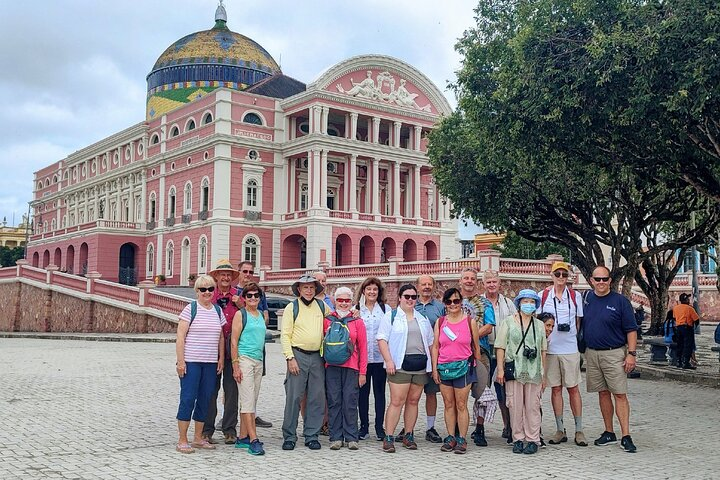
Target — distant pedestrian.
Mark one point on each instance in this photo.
(200, 359)
(610, 333)
(685, 319)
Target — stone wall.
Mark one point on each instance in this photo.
(27, 308)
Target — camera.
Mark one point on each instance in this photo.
(563, 327)
(222, 302)
(530, 353)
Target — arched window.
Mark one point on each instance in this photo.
(171, 203)
(202, 255)
(207, 118)
(53, 224)
(153, 208)
(252, 118)
(303, 197)
(251, 250)
(190, 125)
(174, 132)
(187, 205)
(252, 193)
(155, 139)
(205, 195)
(150, 261)
(170, 259)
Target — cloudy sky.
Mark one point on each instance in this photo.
(72, 72)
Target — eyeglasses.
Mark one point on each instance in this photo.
(247, 272)
(601, 279)
(410, 297)
(454, 301)
(206, 289)
(561, 274)
(343, 300)
(252, 295)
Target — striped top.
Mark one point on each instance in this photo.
(203, 337)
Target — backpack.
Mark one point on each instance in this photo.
(717, 334)
(193, 312)
(337, 346)
(546, 292)
(669, 331)
(296, 308)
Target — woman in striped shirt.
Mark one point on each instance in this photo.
(200, 353)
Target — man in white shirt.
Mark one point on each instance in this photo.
(563, 357)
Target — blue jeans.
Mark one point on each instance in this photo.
(196, 389)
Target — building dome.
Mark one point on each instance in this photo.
(203, 61)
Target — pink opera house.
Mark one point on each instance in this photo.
(237, 160)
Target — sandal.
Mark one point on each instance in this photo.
(184, 448)
(203, 445)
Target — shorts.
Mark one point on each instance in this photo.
(563, 370)
(462, 382)
(605, 370)
(431, 388)
(401, 377)
(249, 387)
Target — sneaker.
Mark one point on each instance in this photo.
(288, 445)
(505, 433)
(480, 440)
(409, 441)
(259, 422)
(689, 366)
(433, 436)
(400, 436)
(607, 438)
(243, 442)
(363, 434)
(256, 448)
(325, 430)
(380, 435)
(509, 440)
(461, 446)
(580, 440)
(542, 443)
(448, 444)
(388, 444)
(230, 438)
(313, 445)
(627, 444)
(558, 437)
(353, 445)
(530, 448)
(336, 445)
(518, 447)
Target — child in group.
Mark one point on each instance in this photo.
(548, 320)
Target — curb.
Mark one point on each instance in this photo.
(108, 337)
(671, 373)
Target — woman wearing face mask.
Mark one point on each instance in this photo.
(404, 339)
(521, 347)
(372, 307)
(343, 380)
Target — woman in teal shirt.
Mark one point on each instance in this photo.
(247, 341)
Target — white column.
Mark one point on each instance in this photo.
(376, 130)
(324, 117)
(143, 198)
(416, 191)
(292, 179)
(375, 185)
(396, 188)
(315, 167)
(353, 125)
(396, 133)
(323, 179)
(352, 185)
(317, 119)
(418, 136)
(131, 200)
(311, 123)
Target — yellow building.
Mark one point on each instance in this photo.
(484, 241)
(13, 236)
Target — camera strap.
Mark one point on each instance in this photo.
(557, 317)
(522, 342)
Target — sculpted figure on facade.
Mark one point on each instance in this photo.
(369, 89)
(364, 89)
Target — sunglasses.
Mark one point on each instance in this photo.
(601, 279)
(454, 301)
(206, 289)
(252, 295)
(410, 297)
(561, 274)
(247, 272)
(343, 300)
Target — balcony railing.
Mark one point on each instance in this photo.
(151, 225)
(187, 218)
(203, 215)
(170, 221)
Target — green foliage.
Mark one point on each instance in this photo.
(8, 255)
(514, 246)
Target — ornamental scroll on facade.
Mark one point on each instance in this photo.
(384, 90)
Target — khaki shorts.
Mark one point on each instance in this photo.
(417, 378)
(249, 387)
(563, 370)
(605, 371)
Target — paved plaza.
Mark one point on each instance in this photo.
(78, 409)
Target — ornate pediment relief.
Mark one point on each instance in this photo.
(383, 86)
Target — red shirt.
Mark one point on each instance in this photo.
(229, 310)
(358, 336)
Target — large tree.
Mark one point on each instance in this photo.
(538, 147)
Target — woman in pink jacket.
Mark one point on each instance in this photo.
(346, 355)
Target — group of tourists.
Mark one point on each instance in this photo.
(503, 352)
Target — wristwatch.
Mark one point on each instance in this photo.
(632, 352)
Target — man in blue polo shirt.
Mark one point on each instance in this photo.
(610, 332)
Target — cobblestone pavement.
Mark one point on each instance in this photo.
(73, 409)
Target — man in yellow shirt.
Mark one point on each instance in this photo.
(301, 337)
(685, 318)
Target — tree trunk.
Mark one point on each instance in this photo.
(658, 303)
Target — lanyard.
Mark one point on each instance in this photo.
(522, 342)
(557, 317)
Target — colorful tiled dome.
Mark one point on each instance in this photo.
(203, 61)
